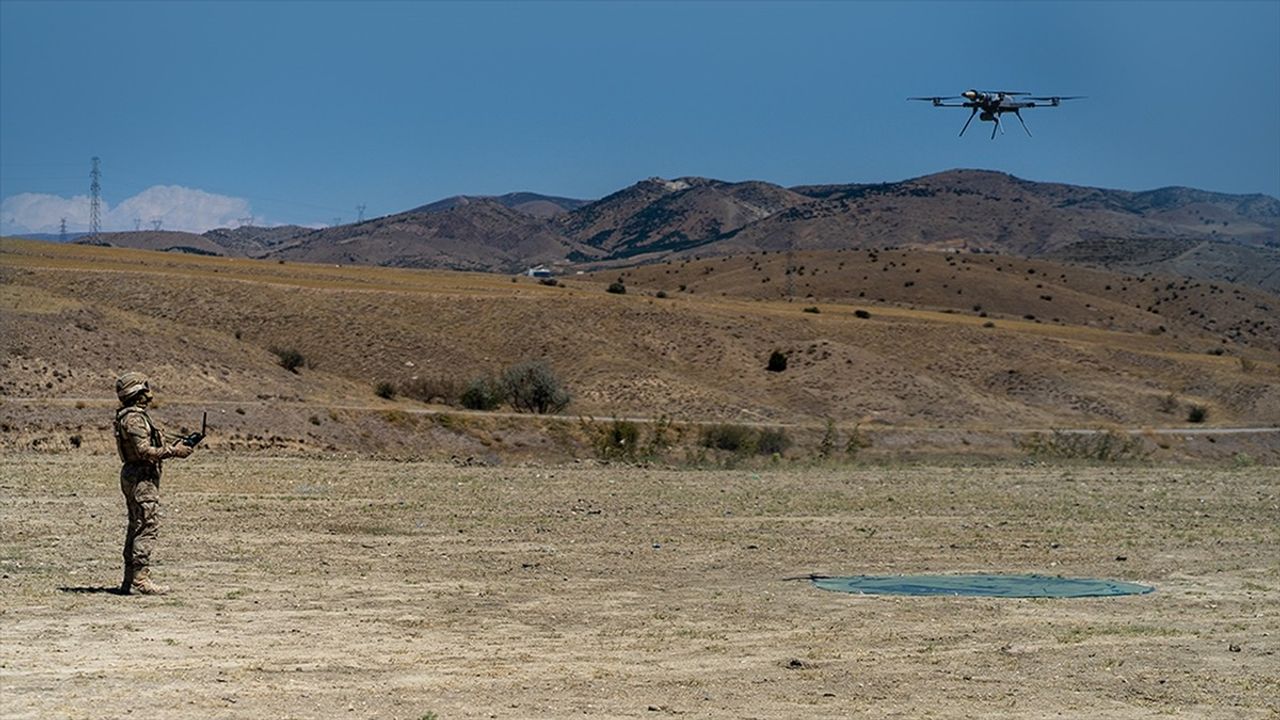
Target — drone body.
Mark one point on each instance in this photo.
(989, 105)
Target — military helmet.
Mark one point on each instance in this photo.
(130, 384)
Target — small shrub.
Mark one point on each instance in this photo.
(1169, 404)
(660, 438)
(861, 314)
(734, 438)
(75, 441)
(661, 295)
(813, 310)
(1107, 446)
(827, 445)
(617, 288)
(314, 419)
(482, 394)
(988, 324)
(857, 441)
(777, 362)
(772, 441)
(549, 282)
(1247, 365)
(619, 439)
(533, 387)
(289, 358)
(436, 388)
(385, 390)
(1197, 414)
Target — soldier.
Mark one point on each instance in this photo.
(142, 448)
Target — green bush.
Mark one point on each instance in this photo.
(289, 358)
(777, 362)
(1197, 414)
(828, 443)
(619, 439)
(533, 387)
(482, 394)
(863, 314)
(1105, 445)
(734, 438)
(772, 441)
(385, 390)
(617, 288)
(432, 389)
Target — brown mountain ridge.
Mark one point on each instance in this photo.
(657, 219)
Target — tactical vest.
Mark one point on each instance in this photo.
(126, 450)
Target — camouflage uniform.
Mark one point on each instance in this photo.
(142, 449)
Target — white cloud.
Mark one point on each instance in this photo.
(176, 207)
(30, 212)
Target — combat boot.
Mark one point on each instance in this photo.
(142, 584)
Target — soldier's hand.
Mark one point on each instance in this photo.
(180, 450)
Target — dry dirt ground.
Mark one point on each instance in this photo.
(323, 588)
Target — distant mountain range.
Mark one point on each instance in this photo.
(657, 219)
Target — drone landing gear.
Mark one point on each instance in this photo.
(966, 122)
(1024, 122)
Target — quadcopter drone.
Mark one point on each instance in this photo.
(994, 103)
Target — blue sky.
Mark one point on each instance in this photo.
(206, 113)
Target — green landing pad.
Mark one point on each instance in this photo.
(1006, 586)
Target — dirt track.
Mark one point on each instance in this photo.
(313, 588)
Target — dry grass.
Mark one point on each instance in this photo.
(204, 326)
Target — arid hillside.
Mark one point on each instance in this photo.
(1208, 316)
(891, 355)
(659, 219)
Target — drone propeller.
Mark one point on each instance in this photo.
(1053, 100)
(937, 99)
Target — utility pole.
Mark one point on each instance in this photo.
(62, 231)
(156, 223)
(137, 224)
(95, 201)
(360, 213)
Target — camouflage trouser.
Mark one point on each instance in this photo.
(141, 487)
